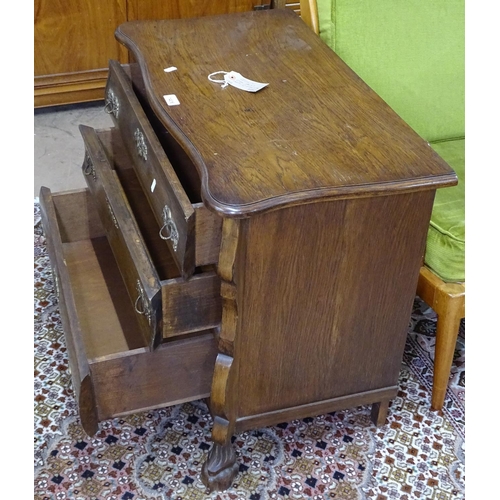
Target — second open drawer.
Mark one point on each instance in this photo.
(166, 304)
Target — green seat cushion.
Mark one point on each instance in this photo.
(445, 250)
(410, 52)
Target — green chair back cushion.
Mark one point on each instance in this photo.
(410, 52)
(445, 249)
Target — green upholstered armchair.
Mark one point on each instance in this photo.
(412, 53)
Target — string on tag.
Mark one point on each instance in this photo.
(224, 82)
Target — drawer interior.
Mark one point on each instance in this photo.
(105, 314)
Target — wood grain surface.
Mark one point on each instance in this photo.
(317, 130)
(330, 318)
(177, 9)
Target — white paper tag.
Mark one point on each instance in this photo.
(240, 82)
(171, 100)
(169, 70)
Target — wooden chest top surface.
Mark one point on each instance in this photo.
(317, 130)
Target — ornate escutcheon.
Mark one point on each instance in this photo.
(140, 144)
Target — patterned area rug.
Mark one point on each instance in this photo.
(418, 454)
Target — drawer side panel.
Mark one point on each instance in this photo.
(79, 367)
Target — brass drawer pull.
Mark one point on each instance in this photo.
(141, 304)
(140, 144)
(110, 210)
(88, 167)
(111, 104)
(169, 229)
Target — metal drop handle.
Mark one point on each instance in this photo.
(88, 167)
(169, 231)
(111, 104)
(141, 304)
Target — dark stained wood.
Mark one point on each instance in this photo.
(172, 305)
(207, 226)
(187, 306)
(208, 231)
(220, 468)
(181, 163)
(159, 178)
(191, 306)
(316, 131)
(162, 258)
(87, 406)
(107, 319)
(80, 371)
(379, 412)
(154, 170)
(315, 312)
(69, 207)
(319, 198)
(326, 196)
(320, 408)
(174, 373)
(333, 311)
(134, 261)
(113, 371)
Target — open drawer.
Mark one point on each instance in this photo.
(112, 369)
(166, 304)
(167, 176)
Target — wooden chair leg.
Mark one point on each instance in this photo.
(448, 326)
(448, 301)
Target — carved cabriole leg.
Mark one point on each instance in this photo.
(220, 469)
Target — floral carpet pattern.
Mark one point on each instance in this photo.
(418, 454)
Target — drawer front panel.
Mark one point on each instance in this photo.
(170, 204)
(193, 305)
(132, 257)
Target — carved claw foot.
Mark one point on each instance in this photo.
(220, 469)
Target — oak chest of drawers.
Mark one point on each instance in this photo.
(261, 248)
